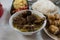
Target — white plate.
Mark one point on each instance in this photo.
(51, 35)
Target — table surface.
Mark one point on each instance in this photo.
(7, 33)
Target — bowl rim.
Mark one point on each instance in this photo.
(17, 13)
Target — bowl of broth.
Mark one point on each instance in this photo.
(27, 22)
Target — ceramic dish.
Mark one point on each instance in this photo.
(27, 33)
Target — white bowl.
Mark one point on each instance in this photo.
(27, 33)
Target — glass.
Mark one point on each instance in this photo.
(1, 10)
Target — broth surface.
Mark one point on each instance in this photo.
(28, 22)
